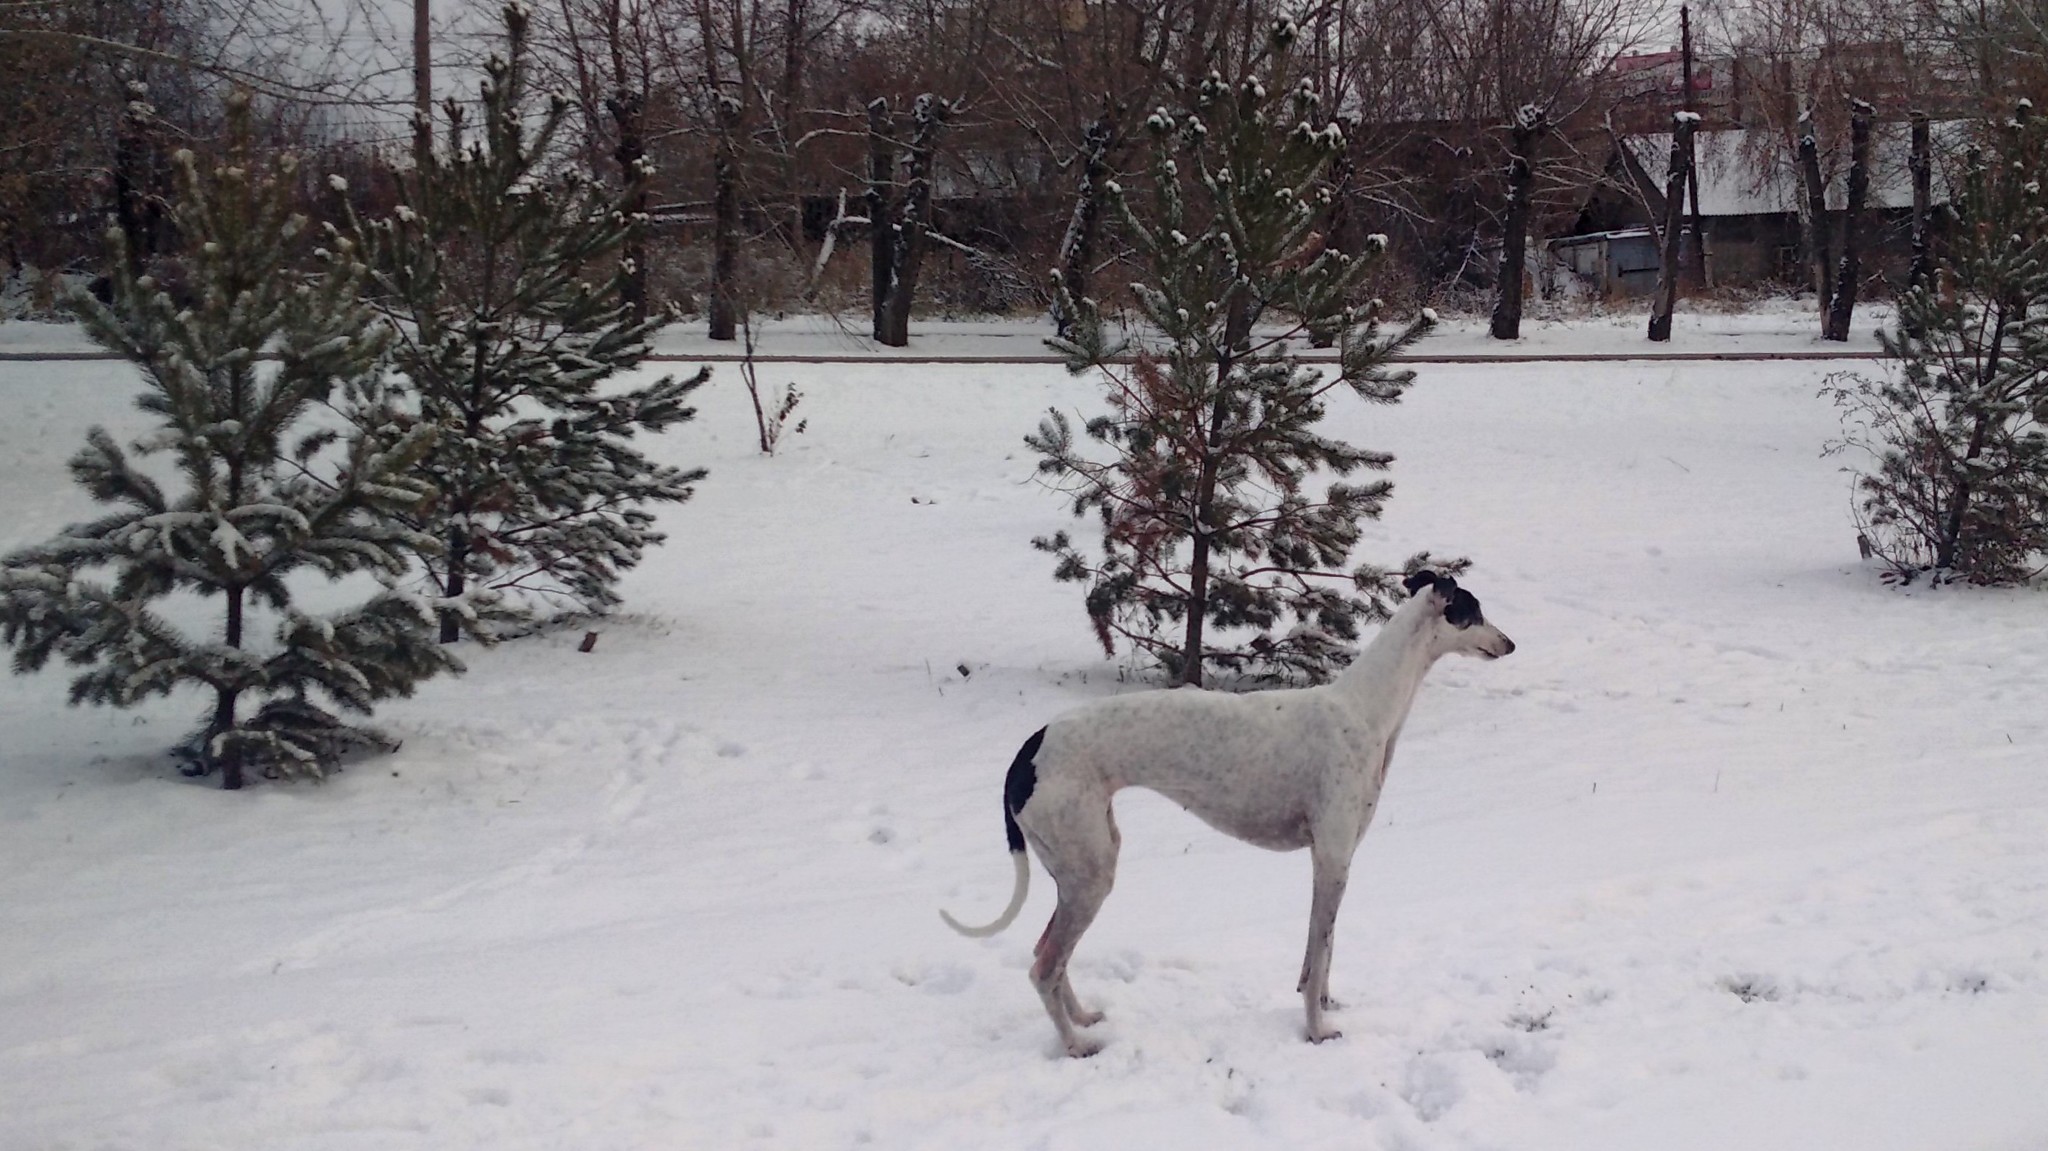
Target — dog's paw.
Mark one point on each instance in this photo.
(1083, 1048)
(1323, 1034)
(1086, 1018)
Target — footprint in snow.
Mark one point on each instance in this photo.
(936, 979)
(1432, 1088)
(1751, 988)
(1524, 1058)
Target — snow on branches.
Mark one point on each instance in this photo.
(265, 493)
(539, 493)
(1224, 546)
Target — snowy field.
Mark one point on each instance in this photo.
(1741, 849)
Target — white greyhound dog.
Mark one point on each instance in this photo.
(1279, 769)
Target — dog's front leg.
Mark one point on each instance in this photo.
(1332, 870)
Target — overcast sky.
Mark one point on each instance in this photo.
(365, 48)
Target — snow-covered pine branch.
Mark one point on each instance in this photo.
(244, 516)
(538, 485)
(1215, 555)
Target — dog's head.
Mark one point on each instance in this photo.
(1460, 627)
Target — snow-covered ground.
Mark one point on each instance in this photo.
(1741, 849)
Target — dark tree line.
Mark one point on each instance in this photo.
(963, 146)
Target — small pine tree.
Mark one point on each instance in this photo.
(1959, 426)
(1217, 548)
(272, 491)
(487, 275)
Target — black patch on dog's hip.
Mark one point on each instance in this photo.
(1017, 787)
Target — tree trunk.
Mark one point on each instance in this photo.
(793, 21)
(626, 109)
(233, 593)
(1920, 161)
(1193, 637)
(1698, 249)
(422, 84)
(1842, 306)
(725, 223)
(458, 559)
(1817, 246)
(788, 98)
(136, 208)
(1077, 247)
(1191, 654)
(881, 212)
(1237, 332)
(1951, 538)
(927, 116)
(225, 697)
(1666, 301)
(1195, 64)
(224, 720)
(1514, 240)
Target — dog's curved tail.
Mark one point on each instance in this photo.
(1009, 914)
(1017, 790)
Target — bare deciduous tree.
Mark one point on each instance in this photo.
(1677, 173)
(1804, 67)
(1842, 304)
(1526, 70)
(98, 93)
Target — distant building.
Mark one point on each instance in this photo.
(1750, 201)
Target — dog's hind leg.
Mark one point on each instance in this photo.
(1332, 872)
(1080, 900)
(1081, 1016)
(1080, 853)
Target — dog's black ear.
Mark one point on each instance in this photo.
(1416, 581)
(1463, 610)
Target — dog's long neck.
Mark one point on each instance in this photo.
(1386, 675)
